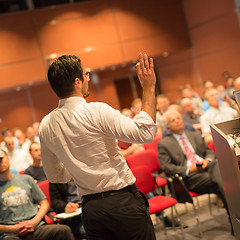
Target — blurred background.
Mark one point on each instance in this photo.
(191, 41)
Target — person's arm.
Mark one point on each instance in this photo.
(32, 223)
(147, 78)
(169, 162)
(16, 228)
(58, 196)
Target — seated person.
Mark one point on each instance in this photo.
(20, 217)
(187, 126)
(64, 198)
(189, 114)
(36, 169)
(20, 159)
(215, 114)
(179, 152)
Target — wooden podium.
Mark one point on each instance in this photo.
(226, 138)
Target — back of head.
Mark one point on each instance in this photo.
(62, 74)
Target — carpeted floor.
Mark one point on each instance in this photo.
(215, 227)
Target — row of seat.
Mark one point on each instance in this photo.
(146, 163)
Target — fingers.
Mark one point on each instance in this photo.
(141, 61)
(151, 64)
(144, 64)
(71, 207)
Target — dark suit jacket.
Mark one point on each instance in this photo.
(173, 159)
(59, 196)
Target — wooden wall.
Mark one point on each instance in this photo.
(102, 33)
(215, 36)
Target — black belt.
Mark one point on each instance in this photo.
(106, 194)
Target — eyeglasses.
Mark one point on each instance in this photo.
(87, 74)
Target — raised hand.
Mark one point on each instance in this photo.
(145, 72)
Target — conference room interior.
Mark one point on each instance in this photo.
(191, 41)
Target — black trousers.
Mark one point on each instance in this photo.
(117, 217)
(208, 181)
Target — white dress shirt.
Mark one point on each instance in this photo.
(79, 141)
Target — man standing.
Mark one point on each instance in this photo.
(20, 216)
(79, 142)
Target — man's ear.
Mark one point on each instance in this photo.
(78, 83)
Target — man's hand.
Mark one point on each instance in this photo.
(145, 72)
(205, 163)
(71, 207)
(21, 228)
(147, 78)
(195, 168)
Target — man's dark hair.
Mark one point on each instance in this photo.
(62, 74)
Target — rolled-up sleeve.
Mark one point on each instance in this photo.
(141, 129)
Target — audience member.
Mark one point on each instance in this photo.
(187, 126)
(7, 133)
(19, 158)
(30, 136)
(22, 144)
(180, 152)
(207, 84)
(187, 92)
(36, 126)
(215, 114)
(20, 216)
(64, 198)
(136, 106)
(36, 169)
(189, 114)
(236, 86)
(161, 107)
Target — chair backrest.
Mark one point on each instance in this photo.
(144, 179)
(145, 158)
(153, 144)
(44, 186)
(179, 190)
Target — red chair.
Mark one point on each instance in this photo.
(147, 158)
(50, 217)
(153, 144)
(145, 183)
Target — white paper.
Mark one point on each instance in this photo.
(69, 215)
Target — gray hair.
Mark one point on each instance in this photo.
(168, 113)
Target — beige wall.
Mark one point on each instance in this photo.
(114, 32)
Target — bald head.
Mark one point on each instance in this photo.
(236, 83)
(187, 105)
(9, 143)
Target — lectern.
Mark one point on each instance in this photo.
(226, 138)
